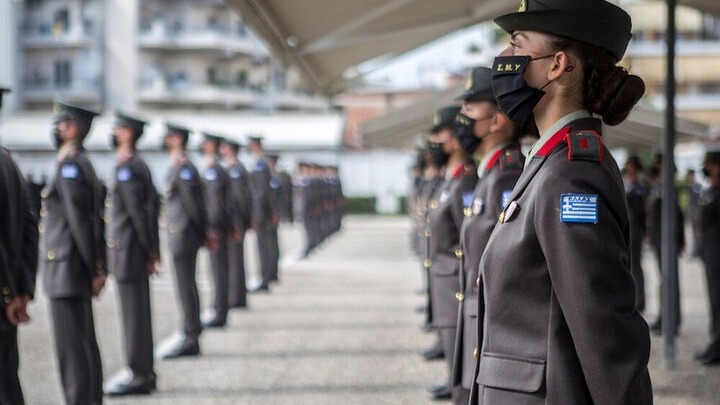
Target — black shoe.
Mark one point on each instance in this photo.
(135, 386)
(443, 394)
(214, 323)
(182, 350)
(241, 305)
(438, 388)
(710, 361)
(259, 289)
(433, 353)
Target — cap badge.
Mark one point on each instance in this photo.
(436, 119)
(469, 83)
(523, 7)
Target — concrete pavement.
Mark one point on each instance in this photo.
(340, 328)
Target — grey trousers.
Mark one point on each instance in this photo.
(236, 265)
(187, 291)
(137, 327)
(265, 246)
(219, 267)
(10, 390)
(77, 350)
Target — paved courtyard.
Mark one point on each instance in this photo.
(341, 327)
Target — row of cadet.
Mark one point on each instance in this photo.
(86, 233)
(530, 274)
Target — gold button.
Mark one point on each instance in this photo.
(108, 204)
(460, 297)
(476, 353)
(459, 253)
(51, 255)
(111, 243)
(428, 233)
(433, 204)
(427, 263)
(173, 229)
(6, 290)
(41, 228)
(43, 212)
(478, 282)
(468, 212)
(44, 193)
(502, 217)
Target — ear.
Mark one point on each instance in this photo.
(498, 121)
(560, 64)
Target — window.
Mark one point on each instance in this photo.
(63, 74)
(61, 21)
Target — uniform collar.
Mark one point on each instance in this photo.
(450, 175)
(66, 150)
(557, 126)
(488, 161)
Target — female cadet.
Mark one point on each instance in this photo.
(486, 133)
(561, 326)
(445, 218)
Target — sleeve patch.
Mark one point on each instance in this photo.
(235, 173)
(505, 198)
(579, 208)
(260, 165)
(124, 174)
(275, 183)
(186, 173)
(70, 171)
(210, 174)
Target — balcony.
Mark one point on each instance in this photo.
(161, 37)
(42, 37)
(298, 100)
(86, 91)
(175, 92)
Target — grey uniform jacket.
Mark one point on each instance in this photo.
(185, 209)
(133, 221)
(215, 185)
(561, 325)
(263, 206)
(18, 237)
(73, 239)
(445, 220)
(239, 197)
(493, 189)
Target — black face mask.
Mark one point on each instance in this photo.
(512, 93)
(114, 142)
(465, 130)
(55, 136)
(437, 154)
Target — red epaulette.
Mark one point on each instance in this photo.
(585, 145)
(554, 141)
(511, 159)
(493, 159)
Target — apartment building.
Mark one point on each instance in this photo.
(153, 55)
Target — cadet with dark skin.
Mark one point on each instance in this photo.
(18, 265)
(186, 222)
(239, 211)
(445, 219)
(133, 254)
(487, 134)
(216, 193)
(74, 255)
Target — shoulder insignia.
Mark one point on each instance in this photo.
(579, 208)
(70, 171)
(260, 165)
(124, 174)
(511, 159)
(468, 199)
(186, 173)
(585, 145)
(210, 174)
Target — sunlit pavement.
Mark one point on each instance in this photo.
(341, 327)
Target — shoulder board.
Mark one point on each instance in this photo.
(469, 169)
(585, 145)
(493, 160)
(511, 159)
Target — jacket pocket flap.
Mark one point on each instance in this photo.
(511, 373)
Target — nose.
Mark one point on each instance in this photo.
(506, 52)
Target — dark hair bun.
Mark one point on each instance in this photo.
(622, 92)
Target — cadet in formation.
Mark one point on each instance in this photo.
(18, 265)
(239, 220)
(709, 206)
(133, 254)
(74, 254)
(279, 193)
(216, 193)
(265, 217)
(186, 222)
(445, 219)
(561, 325)
(486, 133)
(636, 194)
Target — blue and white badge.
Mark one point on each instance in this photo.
(186, 173)
(505, 198)
(235, 173)
(210, 174)
(579, 208)
(275, 183)
(444, 196)
(70, 171)
(124, 174)
(260, 165)
(467, 200)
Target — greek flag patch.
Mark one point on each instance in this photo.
(186, 173)
(275, 183)
(69, 171)
(235, 173)
(579, 208)
(211, 174)
(505, 198)
(124, 174)
(260, 165)
(468, 200)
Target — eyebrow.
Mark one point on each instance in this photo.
(518, 34)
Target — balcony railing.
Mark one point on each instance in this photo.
(160, 36)
(45, 90)
(42, 36)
